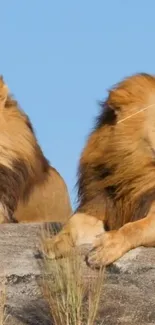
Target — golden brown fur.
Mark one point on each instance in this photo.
(30, 189)
(116, 178)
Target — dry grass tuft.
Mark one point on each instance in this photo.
(3, 314)
(73, 298)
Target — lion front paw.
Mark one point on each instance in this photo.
(107, 249)
(57, 246)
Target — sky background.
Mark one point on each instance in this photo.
(60, 57)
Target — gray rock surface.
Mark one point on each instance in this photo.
(128, 291)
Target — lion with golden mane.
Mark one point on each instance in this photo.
(116, 178)
(30, 189)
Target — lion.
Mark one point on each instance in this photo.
(116, 178)
(30, 189)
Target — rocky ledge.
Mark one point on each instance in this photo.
(128, 289)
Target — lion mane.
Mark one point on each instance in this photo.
(116, 176)
(30, 189)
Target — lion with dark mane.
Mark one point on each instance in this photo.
(30, 189)
(116, 178)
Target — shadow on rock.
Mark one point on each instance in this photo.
(36, 313)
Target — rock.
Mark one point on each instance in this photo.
(128, 289)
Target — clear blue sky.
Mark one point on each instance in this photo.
(60, 57)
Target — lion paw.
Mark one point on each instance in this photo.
(58, 246)
(107, 248)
